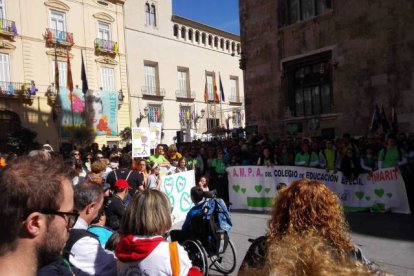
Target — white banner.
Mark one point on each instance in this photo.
(177, 187)
(155, 134)
(253, 187)
(140, 142)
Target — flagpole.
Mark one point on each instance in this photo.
(70, 86)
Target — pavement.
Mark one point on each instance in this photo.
(387, 239)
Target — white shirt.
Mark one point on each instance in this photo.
(157, 263)
(89, 256)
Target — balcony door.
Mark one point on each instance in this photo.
(2, 9)
(58, 24)
(4, 72)
(104, 31)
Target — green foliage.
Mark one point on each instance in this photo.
(126, 134)
(82, 136)
(22, 141)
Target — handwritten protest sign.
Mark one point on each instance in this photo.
(140, 142)
(177, 187)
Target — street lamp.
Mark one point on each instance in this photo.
(120, 96)
(142, 116)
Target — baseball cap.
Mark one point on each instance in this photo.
(122, 184)
(105, 187)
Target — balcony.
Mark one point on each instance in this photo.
(185, 95)
(8, 28)
(18, 90)
(235, 100)
(103, 46)
(57, 37)
(152, 92)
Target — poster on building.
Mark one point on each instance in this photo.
(253, 187)
(102, 112)
(73, 106)
(177, 187)
(140, 142)
(155, 134)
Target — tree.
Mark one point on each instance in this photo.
(82, 136)
(22, 140)
(126, 135)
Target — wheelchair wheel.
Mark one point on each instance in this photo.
(225, 262)
(197, 255)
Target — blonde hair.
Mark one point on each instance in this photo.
(148, 214)
(309, 255)
(98, 166)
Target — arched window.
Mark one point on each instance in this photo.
(190, 34)
(238, 48)
(183, 30)
(216, 41)
(147, 14)
(203, 38)
(153, 16)
(176, 30)
(233, 47)
(197, 36)
(227, 45)
(210, 40)
(222, 44)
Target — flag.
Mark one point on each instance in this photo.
(85, 87)
(57, 84)
(216, 95)
(376, 120)
(384, 121)
(69, 74)
(221, 89)
(394, 120)
(205, 92)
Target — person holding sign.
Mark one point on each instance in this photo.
(159, 157)
(154, 181)
(306, 158)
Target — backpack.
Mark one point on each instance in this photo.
(212, 225)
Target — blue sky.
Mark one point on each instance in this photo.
(221, 14)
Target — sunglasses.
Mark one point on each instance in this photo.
(70, 217)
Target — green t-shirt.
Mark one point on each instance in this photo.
(219, 166)
(159, 159)
(302, 158)
(391, 158)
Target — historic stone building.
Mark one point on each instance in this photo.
(319, 67)
(172, 61)
(36, 33)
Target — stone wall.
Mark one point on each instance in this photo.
(372, 45)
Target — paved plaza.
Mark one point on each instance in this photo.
(387, 239)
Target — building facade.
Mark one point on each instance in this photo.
(173, 63)
(320, 67)
(36, 33)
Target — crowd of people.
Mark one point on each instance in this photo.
(101, 212)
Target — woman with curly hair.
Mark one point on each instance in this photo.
(305, 206)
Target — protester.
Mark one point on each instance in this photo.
(198, 198)
(182, 165)
(350, 165)
(98, 168)
(36, 210)
(115, 206)
(306, 158)
(267, 158)
(98, 228)
(125, 172)
(173, 155)
(203, 183)
(368, 161)
(142, 248)
(329, 158)
(392, 155)
(305, 206)
(140, 166)
(159, 157)
(83, 248)
(154, 181)
(218, 167)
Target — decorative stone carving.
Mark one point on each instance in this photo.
(57, 5)
(106, 60)
(104, 16)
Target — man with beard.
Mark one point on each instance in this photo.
(83, 249)
(36, 210)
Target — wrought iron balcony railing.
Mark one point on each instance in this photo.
(234, 99)
(17, 89)
(152, 91)
(106, 46)
(54, 36)
(8, 27)
(185, 94)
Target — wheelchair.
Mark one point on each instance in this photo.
(208, 246)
